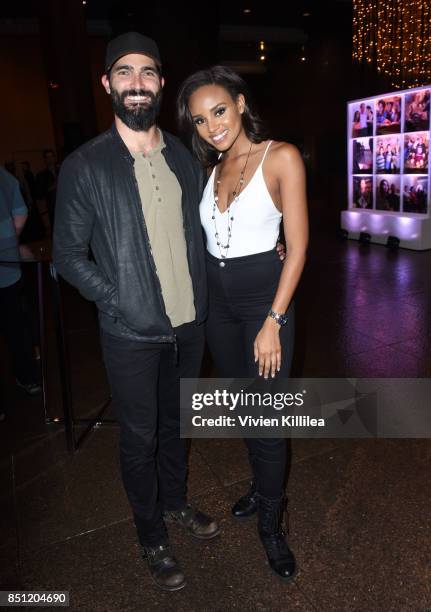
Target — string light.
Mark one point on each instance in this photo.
(303, 57)
(395, 36)
(262, 55)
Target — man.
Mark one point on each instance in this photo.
(380, 115)
(132, 194)
(13, 215)
(363, 120)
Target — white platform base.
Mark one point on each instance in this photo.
(413, 230)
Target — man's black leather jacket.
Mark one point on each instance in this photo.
(98, 206)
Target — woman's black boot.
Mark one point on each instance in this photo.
(270, 518)
(247, 504)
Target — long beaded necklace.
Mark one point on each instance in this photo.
(230, 217)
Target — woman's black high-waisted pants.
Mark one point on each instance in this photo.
(240, 296)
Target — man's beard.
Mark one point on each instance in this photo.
(138, 117)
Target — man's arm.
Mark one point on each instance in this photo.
(74, 221)
(19, 222)
(18, 208)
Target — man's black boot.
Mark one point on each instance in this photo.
(270, 517)
(164, 568)
(247, 504)
(195, 522)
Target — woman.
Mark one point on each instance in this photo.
(382, 195)
(420, 153)
(389, 159)
(254, 183)
(356, 123)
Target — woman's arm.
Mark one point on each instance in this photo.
(288, 167)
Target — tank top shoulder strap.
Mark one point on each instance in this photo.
(213, 171)
(266, 151)
(211, 176)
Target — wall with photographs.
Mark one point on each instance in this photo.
(388, 153)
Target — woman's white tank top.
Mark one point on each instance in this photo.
(256, 219)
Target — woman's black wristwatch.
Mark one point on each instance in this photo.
(280, 318)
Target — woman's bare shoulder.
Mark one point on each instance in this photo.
(280, 148)
(284, 153)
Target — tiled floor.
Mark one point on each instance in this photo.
(359, 509)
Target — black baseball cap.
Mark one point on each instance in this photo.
(131, 42)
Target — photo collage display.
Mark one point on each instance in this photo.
(389, 142)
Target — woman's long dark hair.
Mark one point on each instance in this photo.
(234, 85)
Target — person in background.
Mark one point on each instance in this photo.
(383, 190)
(46, 187)
(370, 116)
(363, 120)
(13, 323)
(380, 160)
(380, 114)
(29, 181)
(393, 198)
(34, 229)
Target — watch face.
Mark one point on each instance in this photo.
(280, 318)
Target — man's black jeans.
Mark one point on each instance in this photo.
(16, 330)
(145, 385)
